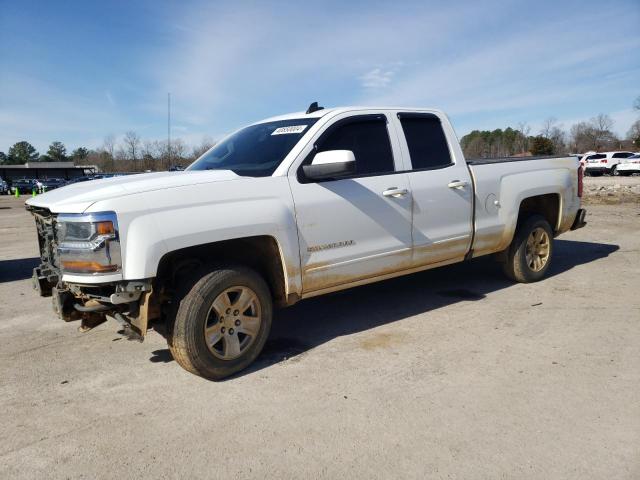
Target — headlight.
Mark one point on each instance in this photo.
(88, 243)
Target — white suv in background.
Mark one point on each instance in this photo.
(629, 165)
(605, 162)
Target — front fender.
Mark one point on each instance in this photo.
(155, 223)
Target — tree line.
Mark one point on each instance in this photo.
(593, 135)
(130, 154)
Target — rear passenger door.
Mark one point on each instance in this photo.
(620, 157)
(359, 227)
(441, 187)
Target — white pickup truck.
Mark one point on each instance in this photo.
(285, 209)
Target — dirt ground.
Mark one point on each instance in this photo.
(451, 373)
(612, 190)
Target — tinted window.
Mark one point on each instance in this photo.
(369, 142)
(622, 155)
(257, 150)
(426, 141)
(596, 157)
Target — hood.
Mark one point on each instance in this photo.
(77, 197)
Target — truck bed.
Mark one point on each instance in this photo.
(502, 184)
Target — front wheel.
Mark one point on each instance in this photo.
(222, 323)
(614, 171)
(529, 255)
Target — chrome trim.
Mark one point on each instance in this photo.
(89, 217)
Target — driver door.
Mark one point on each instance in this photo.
(354, 228)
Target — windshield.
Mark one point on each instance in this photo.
(257, 150)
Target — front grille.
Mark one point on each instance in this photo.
(47, 241)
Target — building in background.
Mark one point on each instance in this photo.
(42, 170)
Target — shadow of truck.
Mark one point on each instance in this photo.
(318, 320)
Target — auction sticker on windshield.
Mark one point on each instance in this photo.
(290, 129)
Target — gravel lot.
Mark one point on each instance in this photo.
(452, 373)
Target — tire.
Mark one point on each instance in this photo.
(614, 171)
(523, 264)
(233, 339)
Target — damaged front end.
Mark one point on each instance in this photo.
(87, 247)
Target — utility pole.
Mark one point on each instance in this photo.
(169, 128)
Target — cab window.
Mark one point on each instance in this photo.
(368, 139)
(426, 141)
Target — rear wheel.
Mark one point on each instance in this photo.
(530, 253)
(614, 171)
(222, 323)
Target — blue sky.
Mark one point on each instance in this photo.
(76, 71)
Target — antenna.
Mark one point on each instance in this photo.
(169, 128)
(314, 108)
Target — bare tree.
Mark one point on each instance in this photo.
(547, 127)
(148, 149)
(633, 135)
(178, 151)
(109, 146)
(636, 104)
(602, 134)
(206, 144)
(132, 146)
(602, 122)
(522, 140)
(121, 156)
(594, 135)
(558, 137)
(551, 131)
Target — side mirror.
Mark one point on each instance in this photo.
(331, 164)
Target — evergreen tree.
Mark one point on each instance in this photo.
(22, 152)
(57, 152)
(541, 146)
(79, 154)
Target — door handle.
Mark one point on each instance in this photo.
(457, 184)
(395, 192)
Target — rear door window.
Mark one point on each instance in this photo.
(426, 141)
(622, 155)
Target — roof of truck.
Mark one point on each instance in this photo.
(325, 111)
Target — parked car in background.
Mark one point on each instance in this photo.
(582, 158)
(100, 176)
(46, 184)
(84, 178)
(605, 162)
(4, 187)
(629, 165)
(23, 185)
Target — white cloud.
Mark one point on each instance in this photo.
(377, 78)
